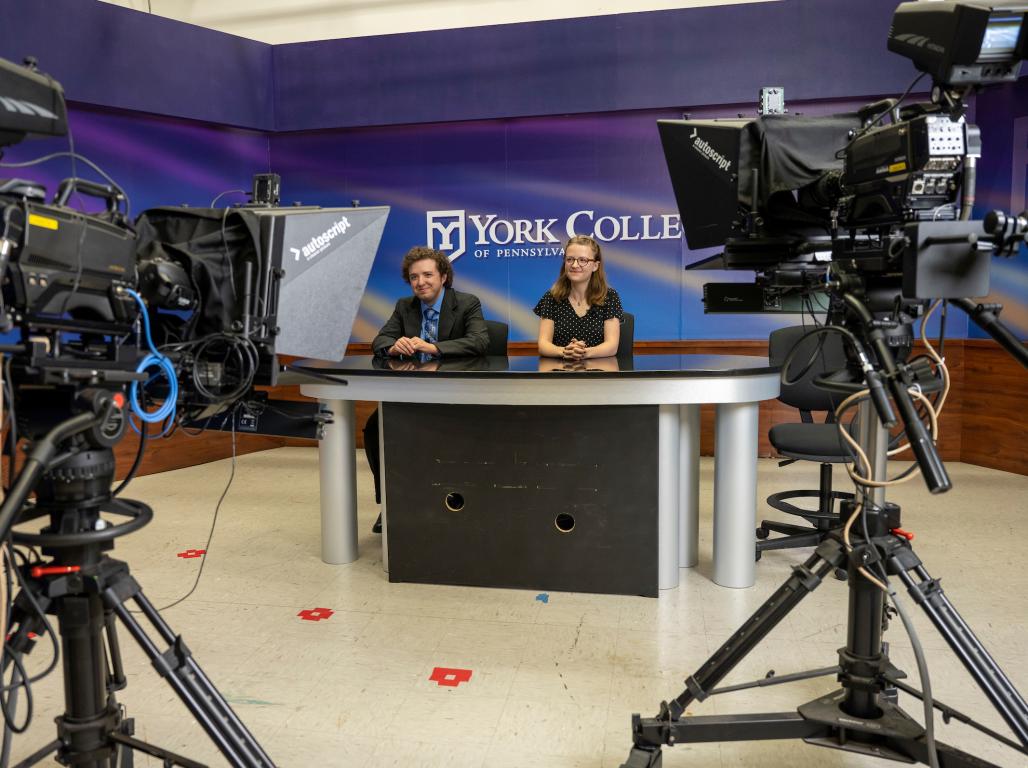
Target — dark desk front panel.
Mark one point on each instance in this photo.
(549, 498)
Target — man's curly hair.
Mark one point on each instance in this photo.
(442, 263)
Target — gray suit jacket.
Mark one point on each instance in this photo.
(462, 329)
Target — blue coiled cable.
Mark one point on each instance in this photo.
(163, 364)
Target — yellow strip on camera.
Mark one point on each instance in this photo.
(897, 167)
(45, 222)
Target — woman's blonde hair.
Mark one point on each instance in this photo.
(596, 291)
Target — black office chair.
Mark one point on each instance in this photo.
(627, 338)
(806, 441)
(498, 333)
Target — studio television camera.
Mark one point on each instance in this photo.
(172, 319)
(864, 221)
(861, 215)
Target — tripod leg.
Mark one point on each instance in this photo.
(176, 665)
(116, 680)
(650, 733)
(126, 757)
(39, 754)
(128, 745)
(89, 710)
(927, 593)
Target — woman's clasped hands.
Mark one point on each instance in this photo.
(575, 350)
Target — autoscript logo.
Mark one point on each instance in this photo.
(709, 152)
(493, 236)
(317, 244)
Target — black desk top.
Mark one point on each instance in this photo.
(689, 366)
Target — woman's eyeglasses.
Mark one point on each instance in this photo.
(572, 260)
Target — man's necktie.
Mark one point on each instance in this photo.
(430, 325)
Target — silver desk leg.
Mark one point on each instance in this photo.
(667, 497)
(382, 487)
(337, 464)
(688, 485)
(735, 494)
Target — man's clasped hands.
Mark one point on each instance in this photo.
(412, 345)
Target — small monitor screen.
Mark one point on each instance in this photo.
(1001, 35)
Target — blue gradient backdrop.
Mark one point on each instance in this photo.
(549, 168)
(528, 168)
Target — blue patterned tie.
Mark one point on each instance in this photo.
(430, 325)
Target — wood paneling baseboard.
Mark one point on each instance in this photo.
(995, 405)
(181, 450)
(984, 422)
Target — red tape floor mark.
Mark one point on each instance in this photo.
(450, 677)
(316, 614)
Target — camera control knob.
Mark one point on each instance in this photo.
(995, 222)
(89, 469)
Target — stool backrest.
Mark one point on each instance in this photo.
(497, 337)
(627, 338)
(831, 357)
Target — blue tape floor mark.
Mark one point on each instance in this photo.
(542, 597)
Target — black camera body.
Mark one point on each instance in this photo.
(809, 203)
(962, 43)
(909, 170)
(220, 292)
(34, 101)
(56, 244)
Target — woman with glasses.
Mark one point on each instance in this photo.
(580, 316)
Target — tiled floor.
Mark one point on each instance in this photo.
(553, 684)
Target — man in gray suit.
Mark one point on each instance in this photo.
(437, 321)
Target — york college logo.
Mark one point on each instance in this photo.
(448, 225)
(447, 231)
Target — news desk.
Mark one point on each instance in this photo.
(675, 384)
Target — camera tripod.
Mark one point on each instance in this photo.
(88, 591)
(862, 715)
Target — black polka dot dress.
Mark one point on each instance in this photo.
(567, 325)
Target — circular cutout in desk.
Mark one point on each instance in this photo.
(564, 522)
